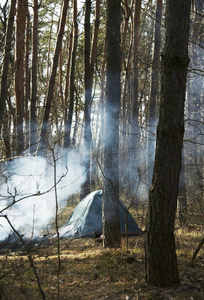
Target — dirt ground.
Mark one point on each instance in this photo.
(85, 270)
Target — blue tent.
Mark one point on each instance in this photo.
(86, 219)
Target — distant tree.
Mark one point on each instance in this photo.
(89, 62)
(68, 119)
(44, 129)
(27, 77)
(19, 73)
(161, 260)
(154, 87)
(88, 98)
(34, 94)
(155, 64)
(111, 225)
(6, 61)
(134, 114)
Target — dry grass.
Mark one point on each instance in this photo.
(90, 272)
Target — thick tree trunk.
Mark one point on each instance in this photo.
(111, 225)
(161, 260)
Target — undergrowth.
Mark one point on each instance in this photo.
(88, 271)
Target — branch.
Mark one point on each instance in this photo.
(196, 251)
(29, 257)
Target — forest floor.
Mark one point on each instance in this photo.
(88, 271)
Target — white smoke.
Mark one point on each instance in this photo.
(27, 194)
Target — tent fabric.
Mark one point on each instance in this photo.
(86, 219)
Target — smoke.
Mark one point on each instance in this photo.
(27, 193)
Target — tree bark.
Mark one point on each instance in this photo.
(155, 65)
(154, 87)
(6, 60)
(19, 73)
(33, 119)
(68, 121)
(88, 96)
(27, 77)
(67, 79)
(111, 225)
(161, 260)
(134, 124)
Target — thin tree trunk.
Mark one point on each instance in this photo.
(195, 253)
(134, 129)
(27, 76)
(153, 115)
(101, 101)
(161, 260)
(137, 13)
(33, 119)
(89, 71)
(67, 79)
(49, 46)
(198, 95)
(182, 199)
(88, 95)
(68, 121)
(6, 60)
(19, 73)
(93, 162)
(45, 124)
(95, 37)
(155, 64)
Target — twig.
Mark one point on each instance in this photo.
(29, 257)
(197, 250)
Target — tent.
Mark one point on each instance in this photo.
(86, 219)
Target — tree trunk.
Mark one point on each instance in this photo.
(19, 73)
(68, 121)
(27, 77)
(67, 79)
(161, 260)
(45, 124)
(6, 60)
(111, 225)
(93, 162)
(33, 119)
(155, 65)
(134, 124)
(90, 58)
(153, 115)
(88, 95)
(198, 96)
(182, 199)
